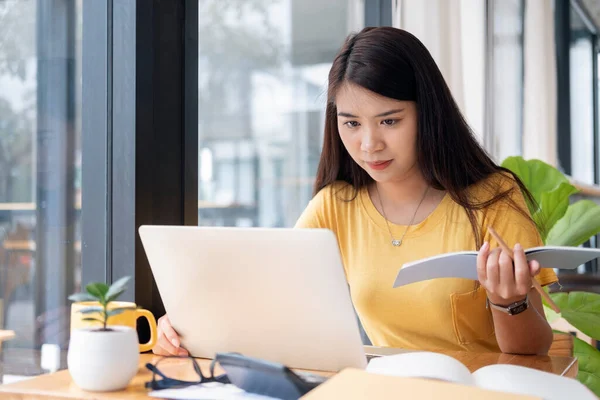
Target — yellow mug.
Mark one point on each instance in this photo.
(126, 318)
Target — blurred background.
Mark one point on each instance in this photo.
(115, 113)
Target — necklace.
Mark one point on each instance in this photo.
(398, 242)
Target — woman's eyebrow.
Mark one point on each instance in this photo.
(384, 114)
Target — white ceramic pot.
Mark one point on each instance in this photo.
(103, 361)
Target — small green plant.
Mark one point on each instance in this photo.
(104, 295)
(562, 222)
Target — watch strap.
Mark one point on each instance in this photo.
(512, 309)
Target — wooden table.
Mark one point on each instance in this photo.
(59, 385)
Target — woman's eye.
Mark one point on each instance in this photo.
(389, 122)
(351, 124)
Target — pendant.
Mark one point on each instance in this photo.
(396, 243)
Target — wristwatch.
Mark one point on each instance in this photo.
(512, 309)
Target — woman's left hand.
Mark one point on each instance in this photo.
(505, 282)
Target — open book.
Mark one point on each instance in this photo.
(499, 377)
(463, 264)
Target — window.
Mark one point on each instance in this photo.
(261, 105)
(581, 61)
(507, 81)
(40, 173)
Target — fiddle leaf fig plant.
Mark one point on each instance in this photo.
(589, 365)
(562, 222)
(103, 295)
(580, 222)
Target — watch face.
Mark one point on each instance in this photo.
(518, 308)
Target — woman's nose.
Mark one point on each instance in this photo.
(371, 142)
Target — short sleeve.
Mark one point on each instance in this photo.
(515, 227)
(315, 213)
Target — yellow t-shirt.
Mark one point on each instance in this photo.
(446, 313)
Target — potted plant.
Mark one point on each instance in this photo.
(562, 222)
(102, 357)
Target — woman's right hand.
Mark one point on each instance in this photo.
(168, 343)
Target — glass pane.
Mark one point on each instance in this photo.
(40, 163)
(508, 77)
(582, 101)
(263, 68)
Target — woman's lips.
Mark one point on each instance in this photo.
(378, 165)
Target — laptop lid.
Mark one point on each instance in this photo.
(273, 293)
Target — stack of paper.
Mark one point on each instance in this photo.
(211, 390)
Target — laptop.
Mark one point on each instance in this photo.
(276, 294)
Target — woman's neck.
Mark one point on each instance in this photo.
(402, 192)
(407, 201)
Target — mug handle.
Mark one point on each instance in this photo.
(153, 333)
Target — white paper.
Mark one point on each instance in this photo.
(464, 264)
(522, 380)
(422, 364)
(211, 390)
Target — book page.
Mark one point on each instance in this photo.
(422, 364)
(463, 264)
(562, 257)
(522, 380)
(450, 265)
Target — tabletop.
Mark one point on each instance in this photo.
(60, 386)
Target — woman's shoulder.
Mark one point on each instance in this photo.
(338, 191)
(326, 207)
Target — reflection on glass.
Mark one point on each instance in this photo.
(40, 166)
(508, 77)
(582, 101)
(263, 68)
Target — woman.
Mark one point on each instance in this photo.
(401, 177)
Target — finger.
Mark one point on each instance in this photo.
(522, 273)
(166, 345)
(159, 348)
(183, 352)
(482, 257)
(493, 277)
(159, 351)
(169, 332)
(534, 268)
(507, 275)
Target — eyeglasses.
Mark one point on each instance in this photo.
(168, 383)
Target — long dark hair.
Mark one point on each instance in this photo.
(393, 63)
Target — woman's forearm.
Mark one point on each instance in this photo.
(524, 333)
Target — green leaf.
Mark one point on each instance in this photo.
(91, 310)
(551, 316)
(553, 205)
(117, 311)
(93, 320)
(589, 365)
(117, 289)
(580, 309)
(538, 176)
(114, 296)
(97, 289)
(580, 222)
(81, 297)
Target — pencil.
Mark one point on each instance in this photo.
(536, 284)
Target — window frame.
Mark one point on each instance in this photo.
(140, 111)
(563, 9)
(139, 134)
